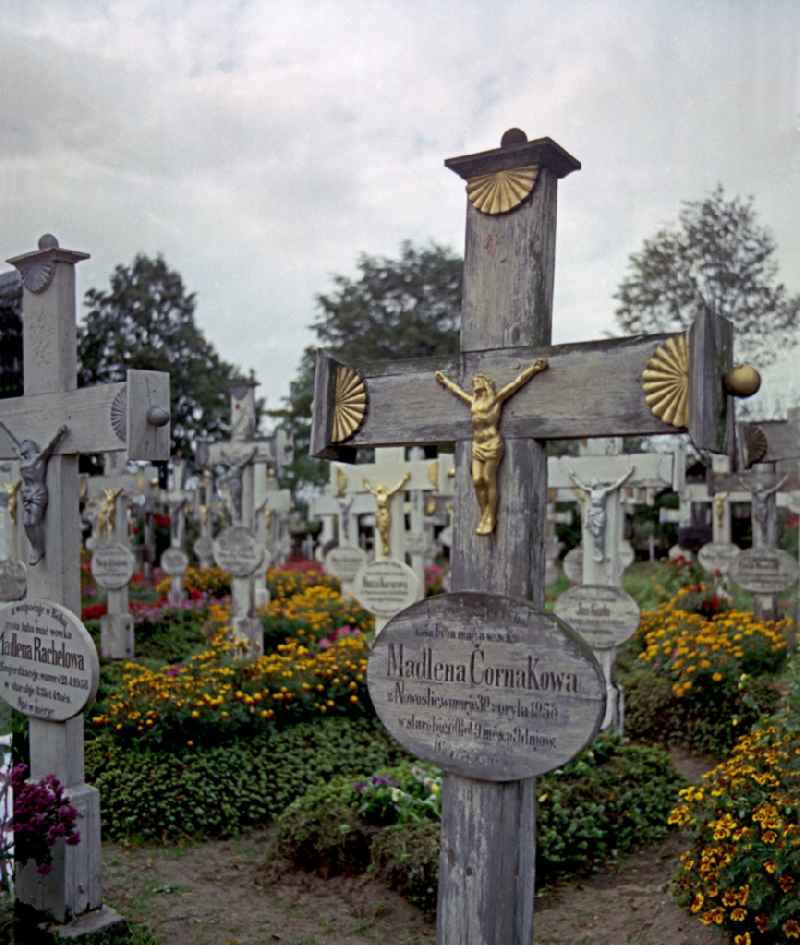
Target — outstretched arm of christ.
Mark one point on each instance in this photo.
(775, 488)
(513, 386)
(579, 482)
(47, 452)
(459, 392)
(621, 481)
(11, 436)
(369, 487)
(399, 485)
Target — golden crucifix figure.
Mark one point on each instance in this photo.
(13, 495)
(485, 405)
(108, 508)
(383, 515)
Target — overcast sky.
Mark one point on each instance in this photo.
(261, 146)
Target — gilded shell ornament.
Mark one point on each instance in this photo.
(502, 191)
(755, 445)
(350, 403)
(665, 381)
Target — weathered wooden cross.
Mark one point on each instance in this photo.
(49, 427)
(499, 691)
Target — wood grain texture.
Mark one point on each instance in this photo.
(589, 389)
(542, 151)
(711, 411)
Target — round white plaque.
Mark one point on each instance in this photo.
(48, 661)
(13, 580)
(486, 686)
(415, 543)
(174, 562)
(237, 551)
(113, 565)
(386, 587)
(604, 616)
(626, 553)
(764, 570)
(345, 562)
(203, 548)
(717, 558)
(573, 565)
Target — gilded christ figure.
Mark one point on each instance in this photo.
(485, 405)
(597, 493)
(383, 514)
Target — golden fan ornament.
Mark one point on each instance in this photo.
(350, 404)
(756, 445)
(665, 381)
(501, 191)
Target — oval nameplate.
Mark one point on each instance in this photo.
(13, 580)
(717, 558)
(112, 565)
(486, 686)
(604, 616)
(48, 661)
(345, 562)
(386, 587)
(764, 570)
(237, 551)
(174, 562)
(573, 565)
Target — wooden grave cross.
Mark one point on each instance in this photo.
(341, 553)
(47, 429)
(272, 507)
(490, 643)
(598, 608)
(175, 560)
(13, 579)
(236, 548)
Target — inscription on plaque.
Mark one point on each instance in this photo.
(717, 557)
(764, 570)
(174, 562)
(415, 543)
(486, 686)
(386, 587)
(112, 565)
(345, 562)
(48, 662)
(604, 616)
(237, 551)
(13, 580)
(573, 565)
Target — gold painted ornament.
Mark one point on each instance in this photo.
(502, 191)
(742, 381)
(665, 381)
(755, 445)
(350, 404)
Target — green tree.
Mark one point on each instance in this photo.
(146, 321)
(394, 308)
(719, 259)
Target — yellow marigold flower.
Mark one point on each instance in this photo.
(791, 929)
(742, 939)
(738, 914)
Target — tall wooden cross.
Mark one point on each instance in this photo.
(604, 388)
(132, 415)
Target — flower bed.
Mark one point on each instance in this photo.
(742, 872)
(311, 613)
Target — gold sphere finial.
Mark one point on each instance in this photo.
(742, 381)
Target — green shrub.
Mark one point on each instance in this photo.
(708, 719)
(218, 791)
(610, 799)
(172, 636)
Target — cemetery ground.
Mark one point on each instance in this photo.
(254, 802)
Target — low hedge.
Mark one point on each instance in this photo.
(218, 791)
(610, 799)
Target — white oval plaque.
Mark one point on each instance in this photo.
(203, 548)
(237, 551)
(717, 558)
(415, 543)
(764, 570)
(48, 661)
(573, 565)
(13, 580)
(386, 587)
(486, 686)
(604, 616)
(345, 562)
(113, 565)
(174, 562)
(626, 554)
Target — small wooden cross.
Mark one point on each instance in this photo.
(604, 388)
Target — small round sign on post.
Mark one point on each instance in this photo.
(237, 551)
(345, 562)
(717, 558)
(13, 580)
(604, 616)
(48, 661)
(764, 570)
(174, 562)
(112, 565)
(203, 548)
(573, 565)
(386, 587)
(486, 686)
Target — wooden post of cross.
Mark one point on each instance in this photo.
(593, 389)
(48, 428)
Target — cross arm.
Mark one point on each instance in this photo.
(132, 415)
(590, 389)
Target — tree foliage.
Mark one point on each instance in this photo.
(145, 321)
(393, 308)
(717, 259)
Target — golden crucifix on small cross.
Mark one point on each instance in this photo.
(485, 405)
